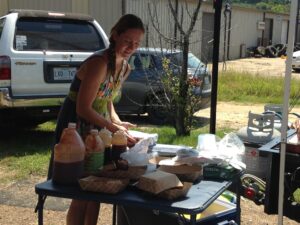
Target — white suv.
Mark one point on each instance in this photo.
(40, 52)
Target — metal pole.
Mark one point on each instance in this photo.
(297, 22)
(214, 86)
(287, 82)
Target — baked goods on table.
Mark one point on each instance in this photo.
(158, 181)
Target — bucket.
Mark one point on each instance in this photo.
(256, 161)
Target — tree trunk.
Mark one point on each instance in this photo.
(182, 115)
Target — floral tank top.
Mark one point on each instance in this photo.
(109, 90)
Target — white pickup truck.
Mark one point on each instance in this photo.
(40, 52)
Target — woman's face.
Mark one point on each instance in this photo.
(127, 42)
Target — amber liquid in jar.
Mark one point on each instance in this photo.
(67, 173)
(117, 150)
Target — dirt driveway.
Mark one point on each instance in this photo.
(235, 115)
(263, 66)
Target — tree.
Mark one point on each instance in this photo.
(178, 90)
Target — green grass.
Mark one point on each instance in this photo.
(249, 88)
(26, 152)
(167, 135)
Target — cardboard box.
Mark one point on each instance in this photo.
(185, 173)
(158, 181)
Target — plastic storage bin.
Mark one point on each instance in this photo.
(218, 212)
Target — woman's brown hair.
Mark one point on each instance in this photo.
(128, 21)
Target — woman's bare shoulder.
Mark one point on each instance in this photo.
(96, 61)
(95, 65)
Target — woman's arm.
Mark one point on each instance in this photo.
(92, 74)
(115, 118)
(111, 109)
(113, 115)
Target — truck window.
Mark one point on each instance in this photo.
(34, 34)
(2, 21)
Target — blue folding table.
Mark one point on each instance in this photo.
(199, 197)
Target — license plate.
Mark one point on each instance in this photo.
(61, 73)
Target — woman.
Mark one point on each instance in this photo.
(90, 100)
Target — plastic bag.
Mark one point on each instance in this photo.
(229, 149)
(141, 135)
(208, 148)
(137, 155)
(232, 149)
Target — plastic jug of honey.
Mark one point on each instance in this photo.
(69, 154)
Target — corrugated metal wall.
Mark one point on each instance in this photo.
(240, 32)
(57, 5)
(3, 7)
(106, 12)
(157, 8)
(157, 12)
(79, 6)
(244, 32)
(277, 26)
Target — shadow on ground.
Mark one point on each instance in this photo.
(22, 194)
(143, 120)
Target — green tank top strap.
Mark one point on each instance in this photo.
(72, 95)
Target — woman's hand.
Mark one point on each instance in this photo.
(296, 126)
(124, 126)
(131, 141)
(127, 125)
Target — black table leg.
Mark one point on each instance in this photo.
(114, 214)
(40, 207)
(238, 201)
(193, 219)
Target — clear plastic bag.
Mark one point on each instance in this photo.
(137, 155)
(230, 149)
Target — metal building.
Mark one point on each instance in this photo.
(244, 27)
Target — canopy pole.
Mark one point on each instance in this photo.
(287, 82)
(215, 65)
